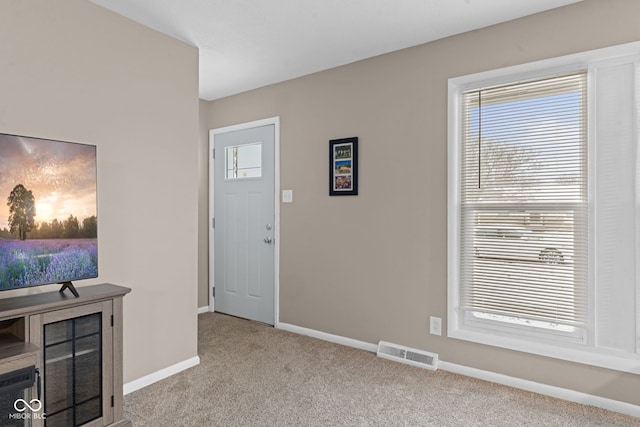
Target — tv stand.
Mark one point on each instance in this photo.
(69, 285)
(76, 345)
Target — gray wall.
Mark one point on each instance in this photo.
(74, 71)
(374, 267)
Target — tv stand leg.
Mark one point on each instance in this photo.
(69, 285)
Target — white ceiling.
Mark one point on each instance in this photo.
(245, 44)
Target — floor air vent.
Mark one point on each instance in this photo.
(410, 356)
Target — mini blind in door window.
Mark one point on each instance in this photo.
(524, 203)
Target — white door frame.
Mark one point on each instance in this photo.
(275, 121)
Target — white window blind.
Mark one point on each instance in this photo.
(523, 205)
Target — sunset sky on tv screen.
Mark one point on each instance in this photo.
(61, 176)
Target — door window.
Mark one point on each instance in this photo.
(243, 161)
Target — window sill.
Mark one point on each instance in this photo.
(584, 354)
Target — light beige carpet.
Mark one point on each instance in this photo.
(254, 375)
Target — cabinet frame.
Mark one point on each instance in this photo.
(39, 321)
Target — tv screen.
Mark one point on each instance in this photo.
(48, 212)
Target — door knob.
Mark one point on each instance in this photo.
(268, 240)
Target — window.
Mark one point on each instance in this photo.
(243, 161)
(543, 240)
(524, 204)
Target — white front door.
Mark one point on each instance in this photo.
(244, 222)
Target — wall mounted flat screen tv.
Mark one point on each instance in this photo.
(48, 212)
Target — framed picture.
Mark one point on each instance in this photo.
(343, 167)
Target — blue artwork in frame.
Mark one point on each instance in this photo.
(343, 167)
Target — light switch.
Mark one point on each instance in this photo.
(287, 196)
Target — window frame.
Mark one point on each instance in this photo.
(583, 348)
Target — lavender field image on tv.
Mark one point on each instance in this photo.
(48, 212)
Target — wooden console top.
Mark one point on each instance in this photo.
(25, 304)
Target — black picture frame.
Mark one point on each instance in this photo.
(343, 167)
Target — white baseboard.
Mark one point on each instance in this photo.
(204, 309)
(548, 390)
(557, 392)
(329, 337)
(147, 380)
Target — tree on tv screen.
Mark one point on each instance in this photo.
(22, 211)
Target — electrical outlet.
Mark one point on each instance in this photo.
(435, 325)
